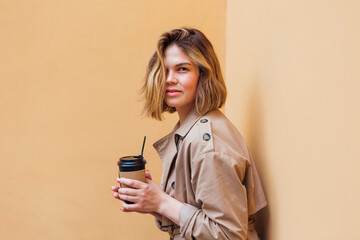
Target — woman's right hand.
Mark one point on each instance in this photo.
(146, 196)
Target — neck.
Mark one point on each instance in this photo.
(184, 112)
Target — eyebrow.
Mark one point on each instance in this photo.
(183, 63)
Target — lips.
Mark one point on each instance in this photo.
(172, 92)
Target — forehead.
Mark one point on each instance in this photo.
(175, 55)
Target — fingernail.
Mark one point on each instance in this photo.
(115, 194)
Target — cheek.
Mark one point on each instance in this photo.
(191, 83)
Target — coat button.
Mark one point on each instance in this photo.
(204, 120)
(206, 137)
(173, 185)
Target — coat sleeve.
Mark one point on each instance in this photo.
(217, 181)
(160, 226)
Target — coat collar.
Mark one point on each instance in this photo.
(167, 146)
(189, 122)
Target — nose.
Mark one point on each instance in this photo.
(171, 78)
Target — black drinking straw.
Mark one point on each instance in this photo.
(142, 150)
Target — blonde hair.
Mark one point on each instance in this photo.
(211, 90)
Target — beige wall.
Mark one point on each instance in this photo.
(70, 72)
(292, 69)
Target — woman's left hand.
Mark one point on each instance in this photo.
(146, 197)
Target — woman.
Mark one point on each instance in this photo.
(209, 188)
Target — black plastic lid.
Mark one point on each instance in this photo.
(131, 163)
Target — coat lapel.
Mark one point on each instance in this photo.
(166, 146)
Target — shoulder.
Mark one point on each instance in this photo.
(214, 133)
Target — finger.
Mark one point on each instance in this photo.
(148, 181)
(114, 188)
(131, 182)
(128, 191)
(148, 175)
(124, 210)
(128, 198)
(129, 207)
(116, 195)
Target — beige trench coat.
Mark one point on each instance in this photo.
(207, 167)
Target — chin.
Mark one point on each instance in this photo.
(174, 105)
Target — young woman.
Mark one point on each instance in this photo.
(210, 188)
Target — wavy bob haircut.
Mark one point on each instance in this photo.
(211, 90)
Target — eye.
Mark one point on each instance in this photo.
(182, 69)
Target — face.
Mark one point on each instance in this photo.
(182, 76)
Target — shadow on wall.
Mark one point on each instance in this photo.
(254, 124)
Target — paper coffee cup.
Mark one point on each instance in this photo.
(132, 167)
